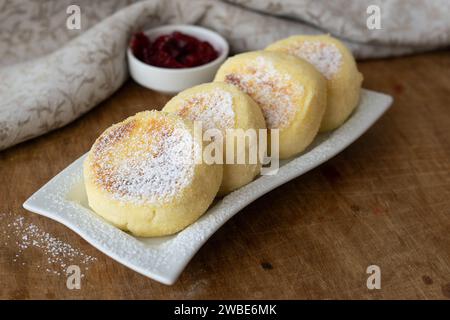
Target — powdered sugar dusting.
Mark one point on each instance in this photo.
(271, 89)
(153, 163)
(214, 109)
(326, 57)
(59, 254)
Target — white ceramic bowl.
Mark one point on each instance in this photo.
(169, 80)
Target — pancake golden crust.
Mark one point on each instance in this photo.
(290, 92)
(336, 63)
(141, 175)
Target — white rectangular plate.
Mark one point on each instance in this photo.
(63, 199)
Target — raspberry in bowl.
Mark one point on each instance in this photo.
(172, 58)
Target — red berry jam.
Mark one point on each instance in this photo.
(175, 50)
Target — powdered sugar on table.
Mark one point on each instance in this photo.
(25, 236)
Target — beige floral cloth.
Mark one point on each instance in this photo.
(50, 75)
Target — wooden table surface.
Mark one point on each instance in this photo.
(385, 201)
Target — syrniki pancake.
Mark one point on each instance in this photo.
(290, 92)
(336, 63)
(223, 107)
(141, 175)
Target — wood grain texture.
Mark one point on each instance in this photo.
(385, 200)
